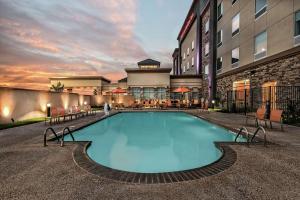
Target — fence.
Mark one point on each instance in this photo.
(286, 98)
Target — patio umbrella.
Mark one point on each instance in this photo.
(182, 90)
(118, 91)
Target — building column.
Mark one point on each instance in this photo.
(198, 41)
(213, 50)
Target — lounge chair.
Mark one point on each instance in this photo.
(259, 116)
(276, 116)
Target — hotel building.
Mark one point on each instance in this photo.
(238, 44)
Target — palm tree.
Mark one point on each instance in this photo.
(58, 87)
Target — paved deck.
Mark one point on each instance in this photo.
(30, 171)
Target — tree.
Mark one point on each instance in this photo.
(95, 92)
(58, 87)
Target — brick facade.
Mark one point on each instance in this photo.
(285, 71)
(205, 59)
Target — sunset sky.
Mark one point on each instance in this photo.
(41, 39)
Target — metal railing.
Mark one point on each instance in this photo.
(45, 135)
(63, 135)
(240, 132)
(260, 128)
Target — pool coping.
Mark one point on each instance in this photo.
(228, 158)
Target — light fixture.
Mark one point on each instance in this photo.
(213, 101)
(85, 103)
(48, 105)
(5, 111)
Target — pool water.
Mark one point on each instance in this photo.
(153, 142)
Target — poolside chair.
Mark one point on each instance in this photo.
(259, 116)
(146, 104)
(53, 115)
(204, 106)
(276, 116)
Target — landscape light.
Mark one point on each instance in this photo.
(213, 101)
(5, 111)
(48, 105)
(85, 103)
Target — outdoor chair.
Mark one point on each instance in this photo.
(276, 116)
(259, 116)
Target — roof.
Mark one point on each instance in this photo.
(148, 62)
(185, 76)
(152, 70)
(81, 78)
(123, 80)
(175, 52)
(188, 20)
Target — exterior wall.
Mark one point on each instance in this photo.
(99, 100)
(25, 104)
(205, 59)
(285, 71)
(148, 80)
(278, 21)
(78, 83)
(187, 43)
(186, 82)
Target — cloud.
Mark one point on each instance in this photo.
(40, 39)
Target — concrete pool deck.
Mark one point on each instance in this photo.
(30, 171)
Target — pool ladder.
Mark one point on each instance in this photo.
(260, 128)
(65, 130)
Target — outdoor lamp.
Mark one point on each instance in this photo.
(48, 109)
(85, 103)
(213, 104)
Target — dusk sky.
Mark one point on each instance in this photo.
(41, 39)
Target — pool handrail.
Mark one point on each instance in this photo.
(240, 132)
(63, 135)
(264, 132)
(45, 135)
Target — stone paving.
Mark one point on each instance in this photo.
(30, 171)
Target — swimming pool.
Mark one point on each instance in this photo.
(153, 142)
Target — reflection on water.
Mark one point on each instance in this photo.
(153, 142)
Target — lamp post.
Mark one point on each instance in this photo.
(48, 109)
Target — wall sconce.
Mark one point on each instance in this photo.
(5, 111)
(85, 103)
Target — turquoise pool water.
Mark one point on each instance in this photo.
(152, 142)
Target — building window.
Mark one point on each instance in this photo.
(193, 45)
(219, 38)
(261, 45)
(206, 69)
(219, 63)
(233, 1)
(207, 26)
(193, 61)
(188, 51)
(161, 93)
(188, 66)
(220, 11)
(183, 68)
(206, 50)
(297, 23)
(149, 93)
(235, 55)
(236, 24)
(136, 92)
(260, 7)
(183, 56)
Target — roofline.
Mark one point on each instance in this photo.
(185, 76)
(176, 50)
(149, 59)
(81, 78)
(157, 70)
(187, 18)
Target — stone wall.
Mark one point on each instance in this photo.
(205, 59)
(285, 71)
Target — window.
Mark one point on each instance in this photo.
(136, 92)
(233, 1)
(161, 93)
(188, 51)
(183, 56)
(297, 23)
(206, 50)
(219, 38)
(220, 11)
(235, 55)
(206, 69)
(188, 65)
(219, 63)
(193, 45)
(260, 7)
(261, 45)
(149, 93)
(236, 24)
(183, 68)
(207, 26)
(193, 61)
